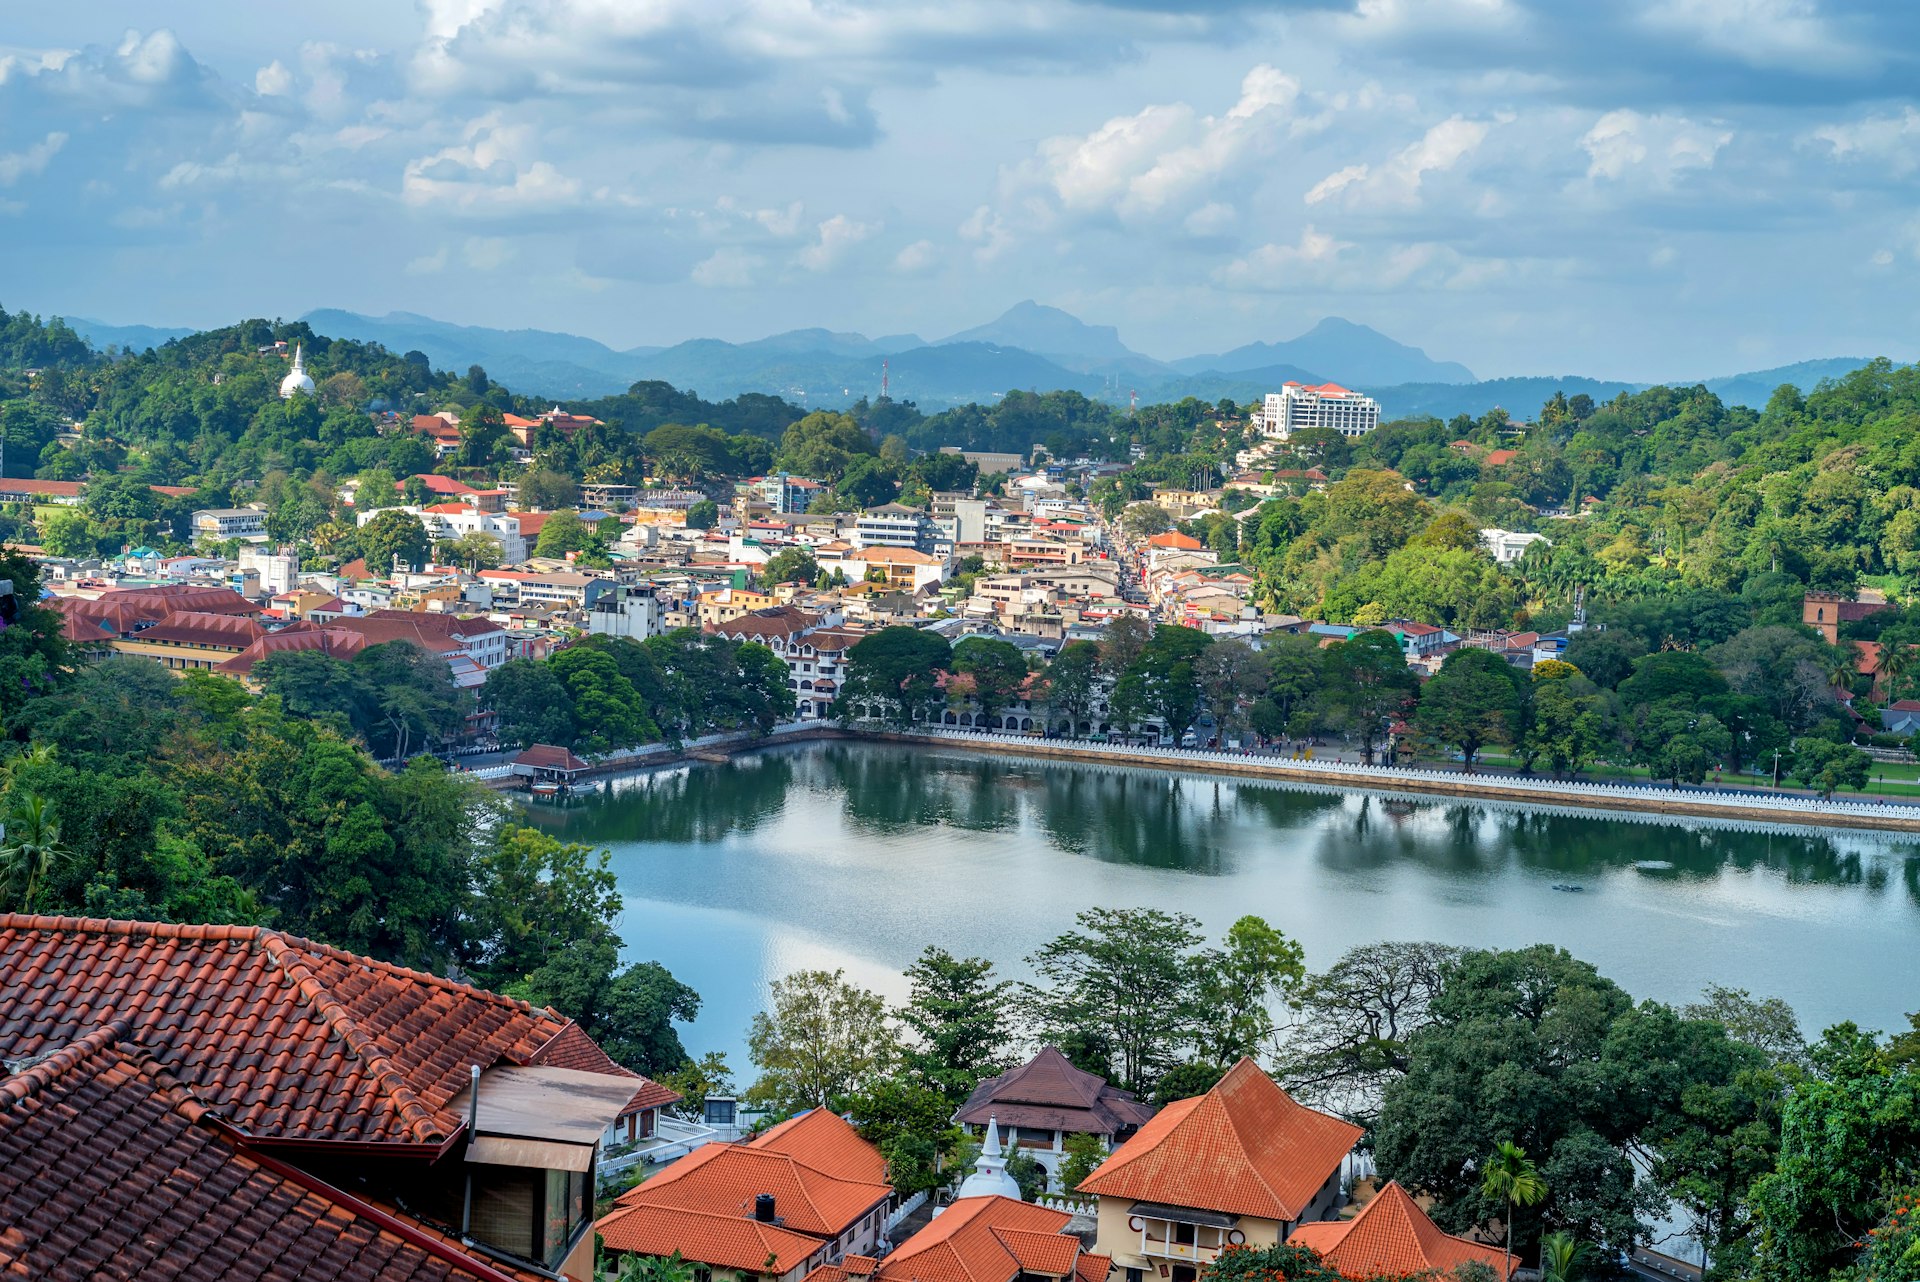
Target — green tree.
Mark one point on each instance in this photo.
(1231, 677)
(790, 565)
(1849, 1149)
(894, 673)
(565, 532)
(1084, 1153)
(393, 538)
(29, 851)
(607, 709)
(1509, 1176)
(532, 703)
(1072, 683)
(696, 1080)
(475, 550)
(540, 898)
(1236, 986)
(911, 1124)
(822, 1039)
(703, 515)
(411, 699)
(1473, 700)
(961, 1015)
(997, 669)
(1124, 976)
(1365, 682)
(1164, 680)
(1824, 766)
(1144, 520)
(629, 1012)
(1571, 723)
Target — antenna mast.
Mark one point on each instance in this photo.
(883, 381)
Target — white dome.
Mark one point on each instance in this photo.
(297, 381)
(989, 1178)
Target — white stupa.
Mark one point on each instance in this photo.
(297, 382)
(989, 1176)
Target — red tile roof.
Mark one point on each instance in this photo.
(984, 1239)
(198, 628)
(724, 1179)
(437, 484)
(288, 1039)
(1500, 458)
(1175, 539)
(826, 1141)
(111, 1168)
(1245, 1148)
(339, 643)
(1050, 1094)
(721, 1241)
(45, 489)
(544, 756)
(1393, 1236)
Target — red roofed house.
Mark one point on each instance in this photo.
(1500, 458)
(1242, 1165)
(1047, 1099)
(1392, 1237)
(807, 1193)
(184, 1102)
(1175, 540)
(981, 1239)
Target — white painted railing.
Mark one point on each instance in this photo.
(905, 1209)
(1387, 777)
(1069, 1203)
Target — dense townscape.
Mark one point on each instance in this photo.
(274, 595)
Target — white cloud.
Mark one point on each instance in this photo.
(726, 269)
(1893, 141)
(1763, 33)
(1276, 266)
(1336, 182)
(273, 80)
(1211, 219)
(491, 170)
(916, 259)
(1397, 182)
(987, 231)
(1165, 157)
(33, 160)
(835, 237)
(1657, 148)
(780, 222)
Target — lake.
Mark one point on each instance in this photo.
(857, 856)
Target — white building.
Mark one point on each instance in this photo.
(894, 525)
(222, 523)
(632, 612)
(1508, 546)
(278, 571)
(1296, 407)
(445, 521)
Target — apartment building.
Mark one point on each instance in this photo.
(1297, 406)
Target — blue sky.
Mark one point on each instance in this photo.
(1630, 188)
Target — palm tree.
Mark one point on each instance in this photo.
(29, 849)
(1562, 1256)
(1896, 664)
(1511, 1177)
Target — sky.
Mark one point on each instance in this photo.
(1639, 189)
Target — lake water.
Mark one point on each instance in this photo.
(858, 856)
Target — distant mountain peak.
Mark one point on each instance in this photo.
(1046, 331)
(1343, 350)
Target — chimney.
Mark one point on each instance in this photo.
(763, 1208)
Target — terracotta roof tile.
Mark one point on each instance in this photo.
(724, 1180)
(984, 1239)
(572, 1048)
(110, 1168)
(723, 1241)
(1245, 1148)
(1392, 1235)
(289, 1039)
(825, 1141)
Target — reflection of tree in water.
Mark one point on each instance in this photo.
(1456, 837)
(703, 803)
(891, 791)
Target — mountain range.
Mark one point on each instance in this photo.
(1030, 346)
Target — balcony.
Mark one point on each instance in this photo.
(1189, 1235)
